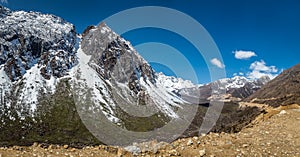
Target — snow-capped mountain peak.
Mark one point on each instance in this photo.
(172, 83)
(235, 82)
(132, 78)
(35, 50)
(240, 81)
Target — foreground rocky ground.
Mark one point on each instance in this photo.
(275, 133)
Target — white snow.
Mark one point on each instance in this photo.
(3, 77)
(235, 82)
(172, 83)
(92, 80)
(38, 23)
(33, 84)
(5, 84)
(163, 99)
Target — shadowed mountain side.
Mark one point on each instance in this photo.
(283, 90)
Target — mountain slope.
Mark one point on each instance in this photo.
(35, 50)
(132, 79)
(283, 90)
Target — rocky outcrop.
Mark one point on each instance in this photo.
(115, 57)
(29, 38)
(37, 50)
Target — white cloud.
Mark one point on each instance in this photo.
(240, 54)
(261, 66)
(3, 1)
(259, 69)
(239, 74)
(217, 63)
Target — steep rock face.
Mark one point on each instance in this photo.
(283, 90)
(110, 52)
(37, 53)
(29, 38)
(116, 61)
(35, 50)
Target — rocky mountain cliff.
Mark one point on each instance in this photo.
(283, 90)
(37, 52)
(35, 49)
(116, 61)
(49, 43)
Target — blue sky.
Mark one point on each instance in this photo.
(265, 35)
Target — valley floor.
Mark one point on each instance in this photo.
(276, 133)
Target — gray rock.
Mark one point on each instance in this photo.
(133, 149)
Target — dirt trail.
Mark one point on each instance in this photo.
(275, 133)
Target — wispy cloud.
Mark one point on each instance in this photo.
(239, 74)
(217, 63)
(260, 69)
(241, 54)
(3, 1)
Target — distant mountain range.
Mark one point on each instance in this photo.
(236, 89)
(48, 73)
